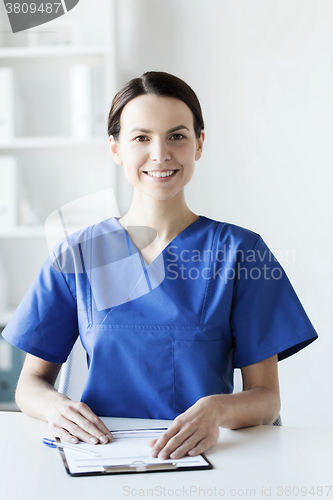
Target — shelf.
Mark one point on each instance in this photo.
(17, 232)
(5, 316)
(23, 232)
(24, 52)
(52, 142)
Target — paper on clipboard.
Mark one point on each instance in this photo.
(129, 452)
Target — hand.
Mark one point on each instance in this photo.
(192, 432)
(72, 420)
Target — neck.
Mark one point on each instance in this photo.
(167, 217)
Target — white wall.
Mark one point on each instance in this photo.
(263, 72)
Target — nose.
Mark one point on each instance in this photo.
(160, 152)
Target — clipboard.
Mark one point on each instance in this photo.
(128, 453)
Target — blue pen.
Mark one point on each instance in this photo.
(57, 444)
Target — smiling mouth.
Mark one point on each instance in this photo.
(158, 174)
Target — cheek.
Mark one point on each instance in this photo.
(133, 159)
(186, 157)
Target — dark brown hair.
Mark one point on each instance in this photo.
(160, 84)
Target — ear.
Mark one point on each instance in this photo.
(199, 148)
(114, 148)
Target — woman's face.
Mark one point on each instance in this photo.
(157, 145)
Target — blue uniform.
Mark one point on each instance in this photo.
(160, 337)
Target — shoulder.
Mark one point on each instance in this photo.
(72, 239)
(233, 236)
(70, 249)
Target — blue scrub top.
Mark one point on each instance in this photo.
(160, 337)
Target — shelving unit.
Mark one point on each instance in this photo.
(28, 52)
(54, 166)
(5, 316)
(50, 142)
(23, 232)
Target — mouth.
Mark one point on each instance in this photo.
(160, 173)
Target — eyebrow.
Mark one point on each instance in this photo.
(174, 129)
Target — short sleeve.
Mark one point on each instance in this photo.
(45, 322)
(267, 317)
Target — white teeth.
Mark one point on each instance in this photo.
(161, 174)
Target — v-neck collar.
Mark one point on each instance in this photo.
(187, 229)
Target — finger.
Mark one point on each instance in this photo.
(186, 440)
(64, 435)
(81, 427)
(164, 439)
(180, 447)
(96, 421)
(201, 447)
(59, 432)
(69, 431)
(186, 446)
(152, 443)
(176, 442)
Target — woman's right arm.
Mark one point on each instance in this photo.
(68, 420)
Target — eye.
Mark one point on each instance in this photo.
(177, 137)
(141, 138)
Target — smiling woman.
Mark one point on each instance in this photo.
(163, 332)
(161, 149)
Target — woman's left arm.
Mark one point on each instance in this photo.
(197, 429)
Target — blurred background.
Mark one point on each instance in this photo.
(263, 72)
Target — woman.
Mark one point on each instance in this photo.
(163, 342)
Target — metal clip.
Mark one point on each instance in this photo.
(139, 466)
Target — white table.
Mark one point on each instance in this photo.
(258, 462)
